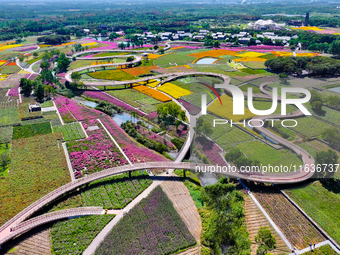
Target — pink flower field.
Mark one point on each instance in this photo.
(134, 151)
(70, 111)
(102, 96)
(95, 153)
(210, 150)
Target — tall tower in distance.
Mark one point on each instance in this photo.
(307, 19)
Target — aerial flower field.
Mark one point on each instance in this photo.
(136, 71)
(6, 47)
(214, 53)
(174, 90)
(153, 93)
(95, 153)
(161, 229)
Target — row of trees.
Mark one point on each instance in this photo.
(53, 39)
(318, 66)
(40, 89)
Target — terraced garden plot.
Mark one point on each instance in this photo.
(132, 97)
(148, 105)
(10, 69)
(48, 103)
(321, 204)
(209, 148)
(268, 155)
(254, 64)
(34, 242)
(24, 112)
(32, 130)
(256, 90)
(173, 90)
(95, 153)
(11, 81)
(136, 71)
(117, 191)
(254, 220)
(329, 115)
(263, 104)
(220, 69)
(184, 205)
(51, 117)
(225, 110)
(117, 75)
(9, 116)
(153, 93)
(180, 58)
(310, 127)
(160, 229)
(297, 229)
(42, 175)
(109, 54)
(226, 136)
(6, 133)
(71, 131)
(73, 236)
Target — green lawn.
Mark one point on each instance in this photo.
(38, 166)
(117, 75)
(256, 90)
(180, 58)
(48, 103)
(32, 130)
(6, 133)
(225, 136)
(71, 131)
(9, 69)
(268, 155)
(327, 114)
(9, 116)
(254, 64)
(321, 204)
(136, 99)
(310, 127)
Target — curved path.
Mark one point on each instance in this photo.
(37, 205)
(298, 176)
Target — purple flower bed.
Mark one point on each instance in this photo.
(70, 111)
(193, 109)
(209, 149)
(14, 92)
(180, 132)
(153, 136)
(152, 115)
(26, 48)
(160, 229)
(95, 153)
(134, 151)
(101, 96)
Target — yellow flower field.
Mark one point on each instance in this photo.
(2, 62)
(251, 54)
(289, 54)
(174, 90)
(6, 47)
(23, 72)
(186, 66)
(153, 93)
(226, 110)
(213, 53)
(65, 44)
(249, 59)
(89, 44)
(44, 45)
(152, 83)
(154, 56)
(308, 28)
(3, 77)
(176, 48)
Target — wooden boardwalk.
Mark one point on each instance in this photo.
(184, 205)
(254, 220)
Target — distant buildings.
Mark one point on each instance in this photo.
(266, 24)
(295, 22)
(307, 19)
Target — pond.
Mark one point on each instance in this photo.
(336, 89)
(81, 100)
(123, 117)
(206, 61)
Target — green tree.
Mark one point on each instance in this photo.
(317, 106)
(26, 86)
(326, 160)
(39, 91)
(76, 76)
(129, 59)
(35, 54)
(63, 62)
(266, 240)
(44, 65)
(216, 44)
(334, 48)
